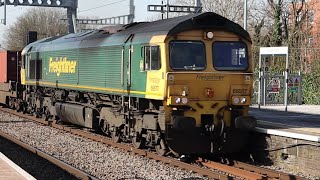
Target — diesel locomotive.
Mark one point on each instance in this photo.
(180, 85)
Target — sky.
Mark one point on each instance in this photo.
(89, 8)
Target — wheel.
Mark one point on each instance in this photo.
(174, 153)
(47, 115)
(104, 127)
(19, 107)
(161, 148)
(115, 136)
(37, 113)
(11, 103)
(138, 141)
(24, 109)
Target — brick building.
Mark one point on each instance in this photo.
(304, 19)
(311, 11)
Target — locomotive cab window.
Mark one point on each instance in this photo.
(187, 55)
(23, 62)
(35, 67)
(152, 58)
(230, 56)
(27, 64)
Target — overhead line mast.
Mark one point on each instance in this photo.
(197, 8)
(117, 20)
(70, 5)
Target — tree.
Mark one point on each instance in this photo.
(277, 9)
(231, 9)
(46, 21)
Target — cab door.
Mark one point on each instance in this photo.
(127, 68)
(155, 85)
(134, 74)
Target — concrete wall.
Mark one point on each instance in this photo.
(292, 154)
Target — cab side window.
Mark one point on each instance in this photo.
(35, 69)
(152, 58)
(35, 66)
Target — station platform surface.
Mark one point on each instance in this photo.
(303, 120)
(10, 171)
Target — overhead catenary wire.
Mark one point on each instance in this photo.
(14, 9)
(101, 6)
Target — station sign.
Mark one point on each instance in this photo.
(274, 50)
(275, 85)
(293, 84)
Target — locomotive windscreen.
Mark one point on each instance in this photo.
(187, 55)
(230, 56)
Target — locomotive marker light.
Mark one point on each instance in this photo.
(178, 100)
(243, 100)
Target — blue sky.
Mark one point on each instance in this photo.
(121, 8)
(90, 8)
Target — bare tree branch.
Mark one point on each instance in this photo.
(46, 21)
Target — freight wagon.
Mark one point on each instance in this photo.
(9, 75)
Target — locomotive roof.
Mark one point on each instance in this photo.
(176, 25)
(143, 32)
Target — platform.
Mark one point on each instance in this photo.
(300, 121)
(10, 171)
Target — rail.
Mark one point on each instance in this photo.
(232, 170)
(72, 170)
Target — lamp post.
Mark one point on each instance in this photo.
(168, 9)
(245, 15)
(197, 3)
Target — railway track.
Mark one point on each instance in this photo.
(214, 170)
(248, 171)
(72, 170)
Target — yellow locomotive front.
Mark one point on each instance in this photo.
(209, 83)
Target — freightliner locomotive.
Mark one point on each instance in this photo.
(180, 85)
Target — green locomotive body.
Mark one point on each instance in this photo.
(93, 61)
(181, 85)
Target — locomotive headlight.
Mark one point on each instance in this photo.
(243, 100)
(178, 100)
(209, 35)
(184, 100)
(236, 100)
